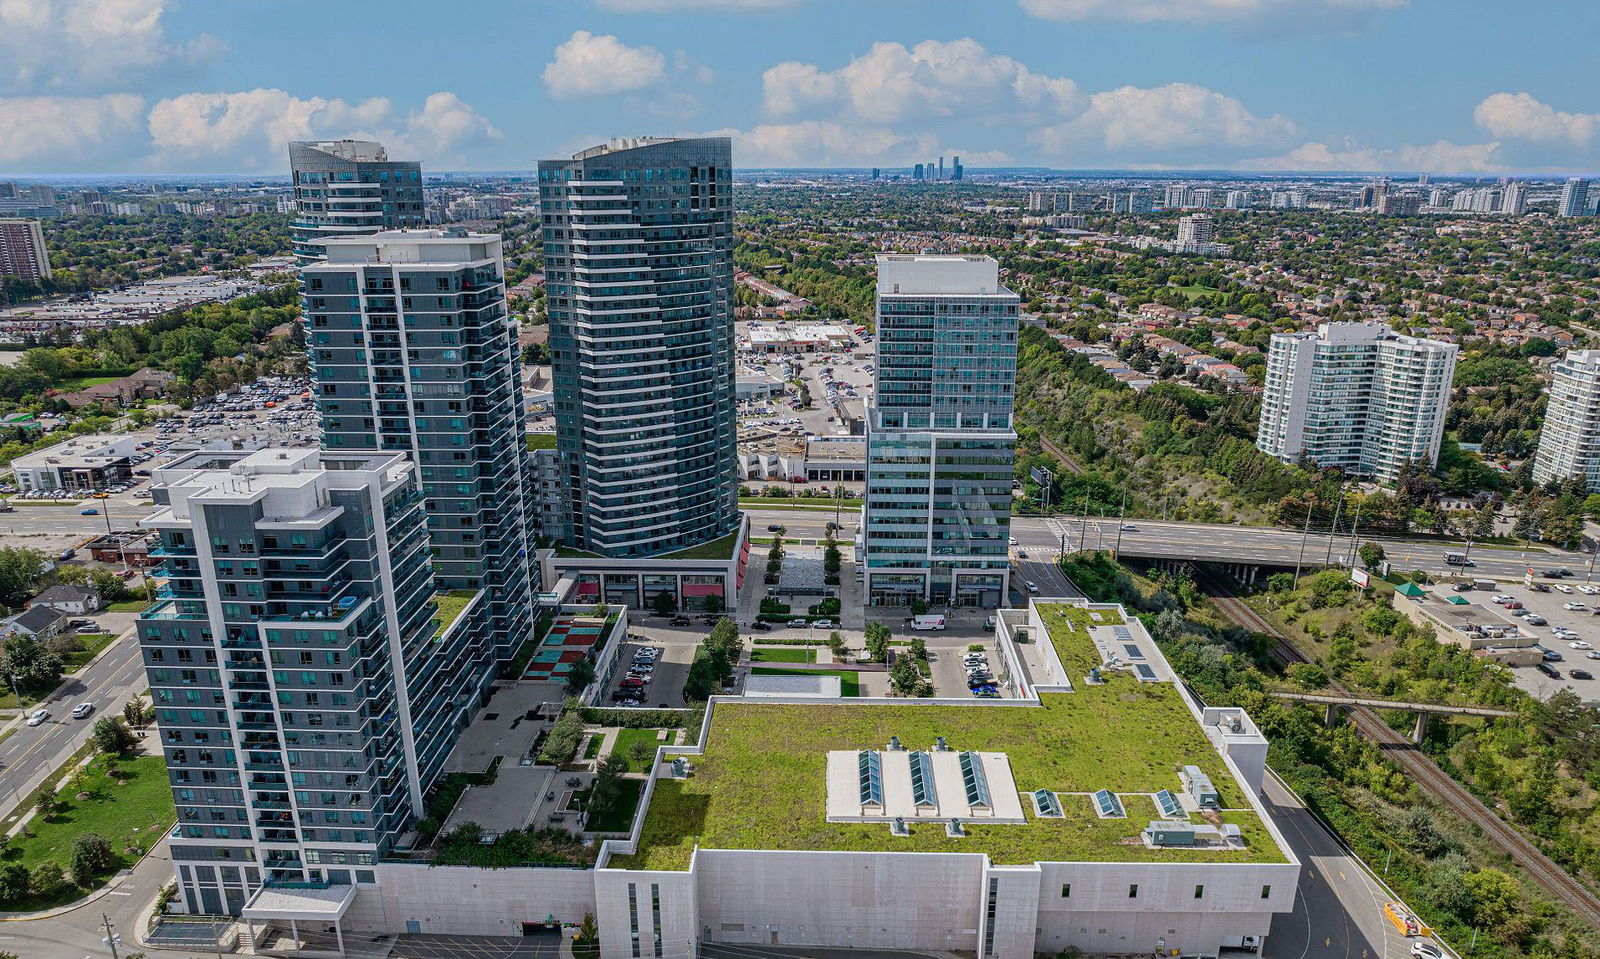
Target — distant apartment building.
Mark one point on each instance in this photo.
(1289, 200)
(1195, 232)
(1569, 442)
(638, 240)
(349, 188)
(414, 352)
(1356, 396)
(1514, 198)
(304, 682)
(1575, 198)
(22, 250)
(1238, 199)
(940, 437)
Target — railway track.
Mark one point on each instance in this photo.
(1422, 770)
(1061, 457)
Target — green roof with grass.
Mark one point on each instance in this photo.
(762, 781)
(450, 605)
(721, 548)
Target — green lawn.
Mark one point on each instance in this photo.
(1194, 291)
(131, 816)
(761, 781)
(849, 680)
(541, 441)
(129, 606)
(1069, 633)
(450, 605)
(92, 645)
(785, 654)
(623, 745)
(75, 383)
(716, 549)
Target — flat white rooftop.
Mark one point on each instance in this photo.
(948, 798)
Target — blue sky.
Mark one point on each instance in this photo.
(213, 86)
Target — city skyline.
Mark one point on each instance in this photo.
(154, 87)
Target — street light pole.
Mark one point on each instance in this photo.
(1122, 515)
(1333, 530)
(1300, 560)
(111, 937)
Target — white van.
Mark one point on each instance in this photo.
(927, 622)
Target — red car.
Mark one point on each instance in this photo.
(631, 683)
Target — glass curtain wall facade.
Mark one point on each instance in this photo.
(940, 439)
(303, 703)
(638, 245)
(347, 188)
(413, 351)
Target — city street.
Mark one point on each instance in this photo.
(30, 754)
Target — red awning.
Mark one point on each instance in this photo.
(702, 589)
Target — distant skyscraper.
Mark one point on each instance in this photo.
(940, 440)
(415, 352)
(1514, 199)
(941, 168)
(1238, 199)
(1423, 179)
(1575, 197)
(22, 250)
(349, 188)
(638, 258)
(304, 684)
(1438, 197)
(957, 171)
(1569, 442)
(875, 173)
(1178, 197)
(1357, 396)
(916, 172)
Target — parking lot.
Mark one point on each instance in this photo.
(1582, 626)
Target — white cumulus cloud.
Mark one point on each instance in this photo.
(77, 44)
(892, 82)
(588, 64)
(40, 130)
(1521, 116)
(249, 129)
(1350, 156)
(1174, 117)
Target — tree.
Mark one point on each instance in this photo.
(46, 805)
(562, 742)
(91, 855)
(836, 645)
(663, 604)
(877, 642)
(713, 604)
(580, 675)
(607, 788)
(13, 883)
(1371, 555)
(48, 880)
(113, 737)
(20, 569)
(137, 713)
(30, 664)
(904, 677)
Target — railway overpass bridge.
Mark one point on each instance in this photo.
(1332, 705)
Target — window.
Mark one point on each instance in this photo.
(1266, 892)
(1066, 890)
(1199, 891)
(1133, 890)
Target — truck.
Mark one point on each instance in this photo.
(927, 622)
(1241, 943)
(1485, 584)
(1404, 920)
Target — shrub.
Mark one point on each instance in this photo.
(112, 736)
(91, 855)
(562, 743)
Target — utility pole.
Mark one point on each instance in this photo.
(111, 937)
(1334, 529)
(1592, 554)
(1122, 514)
(1353, 526)
(1083, 527)
(1300, 560)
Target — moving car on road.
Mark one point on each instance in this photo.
(81, 710)
(38, 716)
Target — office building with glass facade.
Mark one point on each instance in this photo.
(304, 680)
(940, 439)
(413, 351)
(638, 247)
(349, 188)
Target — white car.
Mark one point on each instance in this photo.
(1502, 599)
(1588, 590)
(1013, 541)
(1422, 949)
(38, 716)
(1579, 644)
(1031, 585)
(1563, 588)
(1574, 606)
(823, 624)
(81, 710)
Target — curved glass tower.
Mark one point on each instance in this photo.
(638, 246)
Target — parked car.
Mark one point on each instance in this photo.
(1579, 644)
(1574, 606)
(759, 626)
(1580, 674)
(682, 621)
(1548, 670)
(823, 624)
(1422, 949)
(1563, 588)
(1534, 619)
